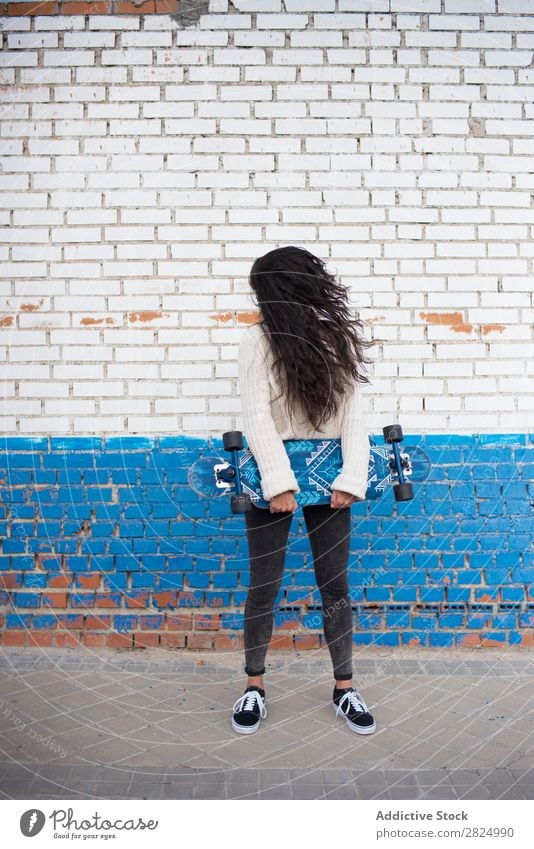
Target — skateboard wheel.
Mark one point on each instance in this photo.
(233, 439)
(240, 503)
(393, 433)
(403, 491)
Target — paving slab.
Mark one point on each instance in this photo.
(105, 723)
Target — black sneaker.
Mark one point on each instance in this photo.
(249, 710)
(349, 704)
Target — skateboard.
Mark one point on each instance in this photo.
(315, 463)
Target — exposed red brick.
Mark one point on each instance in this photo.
(60, 581)
(33, 8)
(468, 640)
(307, 641)
(124, 8)
(13, 638)
(10, 581)
(54, 599)
(172, 641)
(207, 622)
(77, 622)
(178, 621)
(94, 640)
(119, 641)
(289, 624)
(145, 640)
(105, 600)
(97, 623)
(136, 601)
(89, 321)
(166, 7)
(281, 641)
(490, 641)
(39, 638)
(89, 581)
(454, 320)
(65, 639)
(490, 328)
(230, 642)
(199, 641)
(165, 597)
(146, 315)
(80, 8)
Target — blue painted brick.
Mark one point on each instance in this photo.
(127, 564)
(27, 599)
(524, 574)
(513, 593)
(440, 638)
(455, 594)
(497, 576)
(432, 594)
(124, 623)
(143, 579)
(498, 636)
(194, 598)
(505, 620)
(171, 581)
(417, 576)
(312, 620)
(217, 599)
(18, 620)
(377, 593)
(386, 638)
(82, 599)
(225, 579)
(469, 519)
(153, 563)
(478, 620)
(424, 623)
(44, 621)
(363, 638)
(240, 596)
(34, 579)
(233, 621)
(405, 594)
(451, 620)
(369, 620)
(419, 638)
(469, 576)
(397, 619)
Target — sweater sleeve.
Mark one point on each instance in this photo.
(355, 447)
(262, 437)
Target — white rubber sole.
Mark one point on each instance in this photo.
(246, 729)
(368, 729)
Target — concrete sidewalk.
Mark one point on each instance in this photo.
(155, 724)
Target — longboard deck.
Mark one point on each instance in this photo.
(315, 463)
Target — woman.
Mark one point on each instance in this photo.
(298, 374)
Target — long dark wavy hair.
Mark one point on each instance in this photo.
(318, 347)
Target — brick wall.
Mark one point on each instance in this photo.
(146, 161)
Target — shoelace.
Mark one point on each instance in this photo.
(247, 702)
(355, 700)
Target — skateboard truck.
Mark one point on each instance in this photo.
(403, 490)
(240, 502)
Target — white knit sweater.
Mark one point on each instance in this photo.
(266, 423)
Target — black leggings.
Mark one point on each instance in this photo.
(329, 534)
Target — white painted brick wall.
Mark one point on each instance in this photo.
(145, 167)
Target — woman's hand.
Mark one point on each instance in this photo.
(284, 502)
(343, 499)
